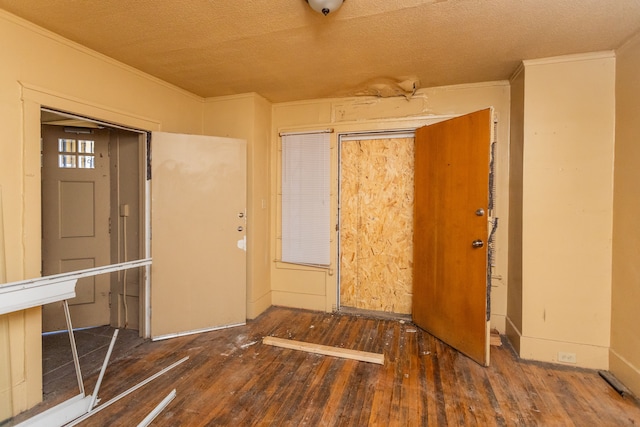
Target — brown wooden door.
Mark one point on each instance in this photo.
(75, 221)
(450, 274)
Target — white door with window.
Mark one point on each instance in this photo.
(75, 221)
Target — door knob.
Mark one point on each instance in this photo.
(477, 243)
(240, 228)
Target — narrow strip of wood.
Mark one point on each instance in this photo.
(362, 356)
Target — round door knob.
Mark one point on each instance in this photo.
(240, 228)
(477, 243)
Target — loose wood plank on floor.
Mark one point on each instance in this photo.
(325, 350)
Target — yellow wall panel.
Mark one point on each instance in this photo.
(625, 316)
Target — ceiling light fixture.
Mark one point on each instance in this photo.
(325, 6)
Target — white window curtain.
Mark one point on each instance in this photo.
(306, 198)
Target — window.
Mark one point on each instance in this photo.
(76, 153)
(306, 206)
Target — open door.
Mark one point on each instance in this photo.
(451, 230)
(198, 243)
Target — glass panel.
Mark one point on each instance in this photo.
(66, 161)
(86, 162)
(85, 146)
(66, 145)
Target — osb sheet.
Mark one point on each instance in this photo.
(376, 224)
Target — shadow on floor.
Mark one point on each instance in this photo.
(58, 370)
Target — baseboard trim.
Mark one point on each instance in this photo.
(625, 371)
(259, 306)
(545, 350)
(513, 334)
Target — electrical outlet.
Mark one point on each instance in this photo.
(567, 357)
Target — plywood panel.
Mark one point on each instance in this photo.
(349, 181)
(376, 224)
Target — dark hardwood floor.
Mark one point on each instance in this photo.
(58, 370)
(232, 379)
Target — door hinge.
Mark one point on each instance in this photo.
(109, 299)
(109, 225)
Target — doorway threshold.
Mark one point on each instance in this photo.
(386, 315)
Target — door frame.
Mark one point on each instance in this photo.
(359, 136)
(34, 99)
(144, 181)
(400, 132)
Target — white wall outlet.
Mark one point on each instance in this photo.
(567, 357)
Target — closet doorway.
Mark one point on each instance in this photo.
(92, 216)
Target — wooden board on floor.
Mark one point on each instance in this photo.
(345, 353)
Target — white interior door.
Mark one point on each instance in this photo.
(198, 237)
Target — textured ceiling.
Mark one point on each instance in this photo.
(285, 51)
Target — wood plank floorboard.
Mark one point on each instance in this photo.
(232, 379)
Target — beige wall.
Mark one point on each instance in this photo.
(315, 288)
(625, 315)
(567, 193)
(516, 147)
(38, 68)
(249, 117)
(126, 161)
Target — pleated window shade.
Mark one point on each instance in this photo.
(306, 198)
